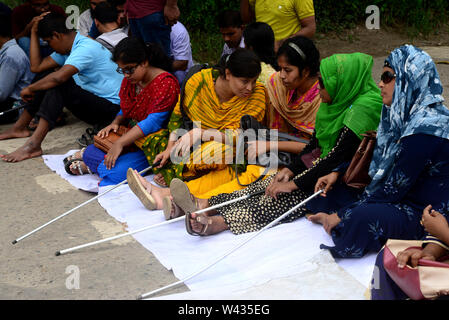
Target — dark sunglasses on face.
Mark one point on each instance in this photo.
(387, 77)
(321, 82)
(127, 71)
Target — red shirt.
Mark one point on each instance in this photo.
(23, 14)
(140, 8)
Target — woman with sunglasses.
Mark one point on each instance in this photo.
(351, 105)
(148, 95)
(410, 166)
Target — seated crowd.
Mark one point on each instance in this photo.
(129, 65)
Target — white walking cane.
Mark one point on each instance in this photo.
(61, 252)
(77, 207)
(143, 296)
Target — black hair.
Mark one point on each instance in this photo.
(105, 13)
(134, 50)
(116, 3)
(309, 59)
(229, 19)
(52, 23)
(259, 37)
(242, 63)
(5, 25)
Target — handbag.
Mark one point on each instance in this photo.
(105, 144)
(260, 132)
(422, 282)
(356, 176)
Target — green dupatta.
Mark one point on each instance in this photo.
(356, 100)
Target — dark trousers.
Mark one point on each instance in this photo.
(10, 116)
(82, 103)
(152, 29)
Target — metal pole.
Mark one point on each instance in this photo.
(61, 252)
(77, 207)
(143, 296)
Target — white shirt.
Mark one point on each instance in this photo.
(181, 48)
(227, 50)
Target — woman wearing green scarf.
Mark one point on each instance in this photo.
(351, 105)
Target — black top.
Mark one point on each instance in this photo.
(343, 151)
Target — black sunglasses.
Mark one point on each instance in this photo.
(387, 77)
(321, 82)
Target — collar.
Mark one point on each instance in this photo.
(7, 45)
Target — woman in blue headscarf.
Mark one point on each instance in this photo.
(410, 166)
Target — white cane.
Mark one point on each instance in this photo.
(143, 296)
(61, 252)
(77, 207)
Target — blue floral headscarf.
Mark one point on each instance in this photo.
(417, 107)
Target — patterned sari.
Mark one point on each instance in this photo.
(202, 106)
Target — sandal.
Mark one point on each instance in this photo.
(139, 190)
(201, 218)
(88, 137)
(77, 154)
(182, 197)
(171, 209)
(163, 185)
(77, 164)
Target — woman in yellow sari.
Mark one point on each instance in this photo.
(294, 101)
(214, 100)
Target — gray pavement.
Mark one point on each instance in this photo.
(31, 195)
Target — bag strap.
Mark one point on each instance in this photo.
(187, 122)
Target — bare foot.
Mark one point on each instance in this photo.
(157, 193)
(329, 221)
(15, 133)
(206, 225)
(27, 151)
(159, 179)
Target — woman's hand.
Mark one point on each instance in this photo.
(283, 176)
(162, 157)
(412, 256)
(182, 147)
(113, 154)
(435, 223)
(274, 189)
(103, 133)
(326, 182)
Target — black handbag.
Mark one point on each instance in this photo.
(253, 130)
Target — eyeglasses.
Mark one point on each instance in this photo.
(127, 71)
(321, 82)
(387, 77)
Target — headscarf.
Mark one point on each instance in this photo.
(417, 107)
(300, 113)
(356, 100)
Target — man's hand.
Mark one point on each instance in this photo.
(27, 94)
(34, 24)
(171, 13)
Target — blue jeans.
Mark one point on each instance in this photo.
(152, 29)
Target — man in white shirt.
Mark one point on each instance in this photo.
(181, 51)
(106, 20)
(85, 20)
(231, 28)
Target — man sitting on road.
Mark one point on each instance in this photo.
(86, 83)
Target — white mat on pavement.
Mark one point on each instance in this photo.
(283, 252)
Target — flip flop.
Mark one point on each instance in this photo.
(77, 162)
(139, 190)
(201, 218)
(182, 196)
(171, 209)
